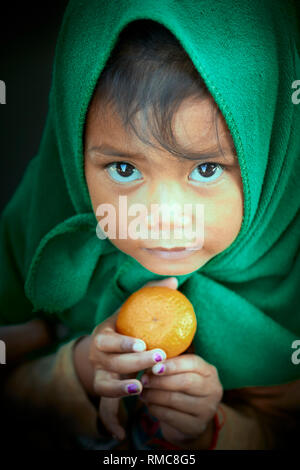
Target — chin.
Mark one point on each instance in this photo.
(170, 268)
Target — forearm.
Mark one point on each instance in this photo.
(248, 426)
(258, 418)
(51, 384)
(241, 430)
(24, 338)
(83, 367)
(230, 430)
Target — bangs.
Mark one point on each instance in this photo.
(150, 73)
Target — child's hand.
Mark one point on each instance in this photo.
(184, 397)
(115, 361)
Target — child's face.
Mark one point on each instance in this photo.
(155, 176)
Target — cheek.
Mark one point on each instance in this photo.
(100, 194)
(127, 246)
(223, 219)
(97, 191)
(91, 182)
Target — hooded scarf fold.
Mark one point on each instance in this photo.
(246, 298)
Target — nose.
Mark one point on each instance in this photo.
(168, 209)
(168, 216)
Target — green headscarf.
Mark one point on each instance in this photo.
(246, 298)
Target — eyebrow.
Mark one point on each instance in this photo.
(107, 150)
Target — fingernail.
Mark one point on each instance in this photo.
(144, 380)
(159, 356)
(98, 340)
(175, 280)
(158, 369)
(139, 346)
(132, 388)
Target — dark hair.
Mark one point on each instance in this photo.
(149, 71)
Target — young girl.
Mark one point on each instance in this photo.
(186, 104)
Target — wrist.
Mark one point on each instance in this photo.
(218, 424)
(203, 442)
(209, 438)
(206, 439)
(82, 365)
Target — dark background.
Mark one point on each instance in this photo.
(28, 35)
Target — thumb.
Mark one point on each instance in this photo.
(109, 416)
(171, 282)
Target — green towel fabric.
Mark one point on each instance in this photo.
(246, 298)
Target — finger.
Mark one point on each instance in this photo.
(189, 404)
(187, 382)
(108, 412)
(173, 435)
(110, 341)
(184, 363)
(171, 282)
(102, 375)
(109, 323)
(129, 363)
(108, 384)
(186, 423)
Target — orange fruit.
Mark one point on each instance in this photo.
(162, 317)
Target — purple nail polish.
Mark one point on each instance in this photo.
(144, 380)
(157, 357)
(158, 369)
(132, 388)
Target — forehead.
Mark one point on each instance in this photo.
(193, 125)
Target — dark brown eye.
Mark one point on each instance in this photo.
(123, 172)
(207, 172)
(124, 169)
(207, 169)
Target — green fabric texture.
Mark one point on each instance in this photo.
(246, 298)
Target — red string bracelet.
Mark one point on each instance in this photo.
(218, 426)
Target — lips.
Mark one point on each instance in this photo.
(177, 248)
(174, 253)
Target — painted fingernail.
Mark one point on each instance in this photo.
(158, 369)
(144, 380)
(159, 356)
(139, 346)
(132, 388)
